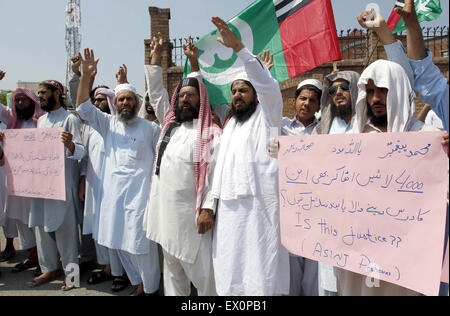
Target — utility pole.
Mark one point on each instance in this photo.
(73, 36)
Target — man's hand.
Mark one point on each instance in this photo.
(274, 147)
(121, 75)
(374, 21)
(205, 221)
(82, 189)
(408, 12)
(66, 138)
(191, 52)
(267, 59)
(156, 48)
(75, 64)
(88, 64)
(2, 74)
(228, 39)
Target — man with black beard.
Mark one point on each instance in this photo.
(340, 92)
(384, 104)
(180, 211)
(56, 221)
(24, 113)
(338, 102)
(247, 253)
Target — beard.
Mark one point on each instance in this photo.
(150, 111)
(343, 111)
(377, 120)
(25, 114)
(185, 115)
(242, 114)
(127, 116)
(105, 109)
(51, 103)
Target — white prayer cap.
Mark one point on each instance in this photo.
(310, 82)
(124, 87)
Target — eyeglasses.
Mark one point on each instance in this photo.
(189, 94)
(344, 86)
(99, 100)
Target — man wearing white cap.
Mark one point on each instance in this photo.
(307, 104)
(130, 144)
(304, 272)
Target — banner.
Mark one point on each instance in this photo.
(34, 159)
(374, 204)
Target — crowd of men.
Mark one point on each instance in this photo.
(174, 189)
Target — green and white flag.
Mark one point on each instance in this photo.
(427, 10)
(300, 33)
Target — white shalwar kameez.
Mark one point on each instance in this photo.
(92, 166)
(56, 221)
(129, 151)
(17, 208)
(171, 211)
(247, 253)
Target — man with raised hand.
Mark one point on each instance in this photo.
(180, 210)
(247, 252)
(130, 144)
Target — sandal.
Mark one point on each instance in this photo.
(37, 272)
(23, 266)
(99, 277)
(43, 280)
(7, 254)
(121, 284)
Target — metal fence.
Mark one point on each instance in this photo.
(178, 57)
(354, 43)
(436, 39)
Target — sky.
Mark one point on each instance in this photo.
(32, 33)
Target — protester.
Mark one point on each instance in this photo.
(56, 221)
(428, 81)
(24, 113)
(425, 77)
(129, 141)
(306, 104)
(247, 253)
(304, 272)
(180, 210)
(90, 186)
(147, 112)
(338, 102)
(384, 105)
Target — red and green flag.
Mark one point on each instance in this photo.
(300, 33)
(427, 10)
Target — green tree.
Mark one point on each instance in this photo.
(3, 98)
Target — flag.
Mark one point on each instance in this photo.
(300, 33)
(8, 99)
(427, 10)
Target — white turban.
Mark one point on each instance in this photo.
(310, 82)
(124, 87)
